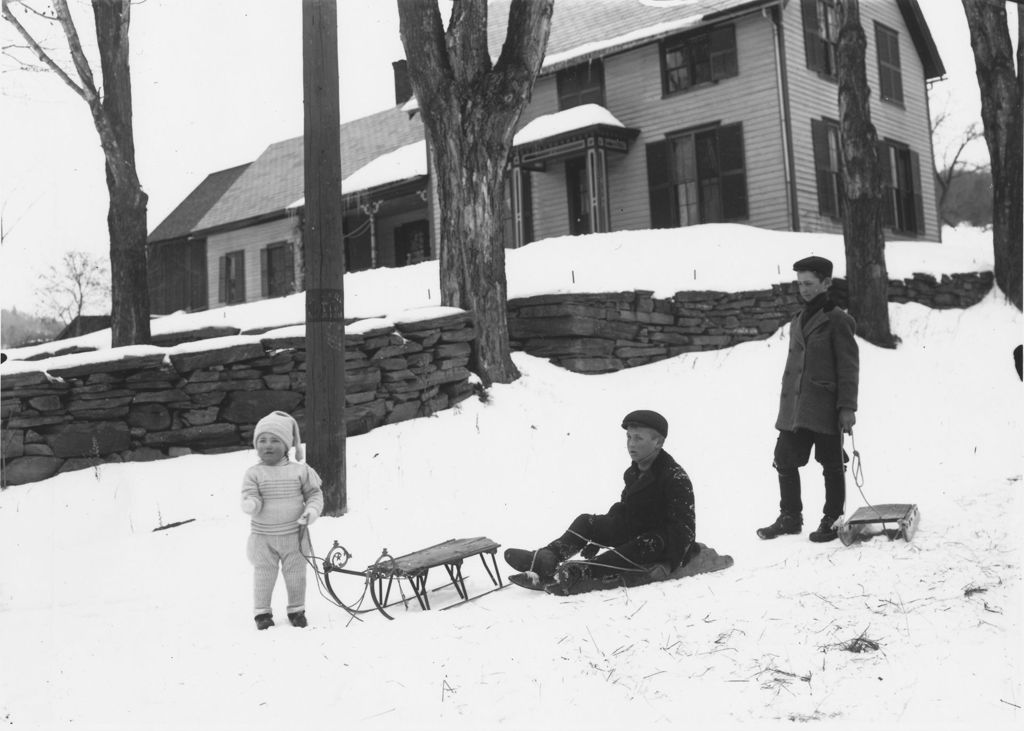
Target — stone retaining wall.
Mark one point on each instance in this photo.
(601, 333)
(145, 402)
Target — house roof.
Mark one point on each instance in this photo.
(275, 179)
(398, 166)
(580, 28)
(183, 219)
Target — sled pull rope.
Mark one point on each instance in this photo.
(607, 548)
(857, 469)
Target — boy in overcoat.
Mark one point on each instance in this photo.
(653, 521)
(818, 401)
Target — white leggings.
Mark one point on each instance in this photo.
(266, 553)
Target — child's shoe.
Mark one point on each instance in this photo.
(263, 621)
(298, 619)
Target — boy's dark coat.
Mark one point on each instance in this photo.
(659, 502)
(821, 372)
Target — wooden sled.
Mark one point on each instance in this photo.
(894, 520)
(388, 572)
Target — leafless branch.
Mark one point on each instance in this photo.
(39, 51)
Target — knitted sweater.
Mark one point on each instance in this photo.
(280, 493)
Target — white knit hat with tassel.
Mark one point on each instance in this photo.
(282, 426)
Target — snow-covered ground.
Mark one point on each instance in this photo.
(107, 624)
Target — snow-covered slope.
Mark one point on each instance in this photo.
(106, 624)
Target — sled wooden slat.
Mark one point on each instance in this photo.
(449, 552)
(888, 513)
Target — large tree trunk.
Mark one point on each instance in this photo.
(470, 111)
(126, 215)
(112, 116)
(1002, 92)
(864, 239)
(324, 249)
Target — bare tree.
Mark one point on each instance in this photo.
(952, 162)
(78, 282)
(111, 110)
(470, 108)
(863, 236)
(1002, 91)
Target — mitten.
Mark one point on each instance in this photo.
(250, 505)
(590, 550)
(309, 516)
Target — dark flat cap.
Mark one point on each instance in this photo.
(650, 419)
(817, 264)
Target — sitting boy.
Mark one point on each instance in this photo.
(653, 521)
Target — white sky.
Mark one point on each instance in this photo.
(213, 85)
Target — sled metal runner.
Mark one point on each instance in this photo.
(387, 573)
(897, 520)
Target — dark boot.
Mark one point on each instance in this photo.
(785, 524)
(298, 619)
(542, 562)
(826, 530)
(263, 621)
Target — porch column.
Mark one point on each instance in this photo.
(597, 187)
(516, 180)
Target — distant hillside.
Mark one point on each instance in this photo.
(21, 329)
(969, 199)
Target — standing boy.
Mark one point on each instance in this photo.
(282, 497)
(818, 401)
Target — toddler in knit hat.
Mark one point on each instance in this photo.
(282, 497)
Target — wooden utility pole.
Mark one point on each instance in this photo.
(324, 252)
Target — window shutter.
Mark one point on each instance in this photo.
(882, 48)
(527, 206)
(813, 45)
(240, 275)
(289, 268)
(723, 53)
(659, 184)
(264, 272)
(222, 279)
(885, 170)
(915, 171)
(822, 170)
(733, 172)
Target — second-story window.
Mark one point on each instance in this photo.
(821, 35)
(698, 58)
(890, 75)
(828, 167)
(582, 84)
(697, 176)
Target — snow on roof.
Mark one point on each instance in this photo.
(405, 163)
(603, 46)
(568, 120)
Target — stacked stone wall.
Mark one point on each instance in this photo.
(148, 403)
(601, 333)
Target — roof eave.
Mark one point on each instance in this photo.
(922, 37)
